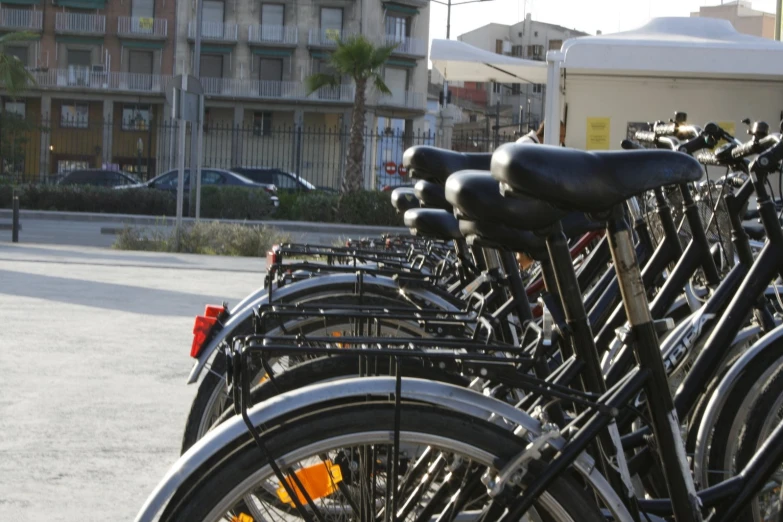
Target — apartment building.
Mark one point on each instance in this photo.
(744, 19)
(528, 39)
(100, 70)
(255, 57)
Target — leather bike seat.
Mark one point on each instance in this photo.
(435, 164)
(589, 181)
(495, 235)
(477, 196)
(404, 198)
(432, 223)
(432, 195)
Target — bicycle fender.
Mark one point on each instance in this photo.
(439, 394)
(765, 346)
(239, 315)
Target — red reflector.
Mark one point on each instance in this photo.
(201, 329)
(273, 255)
(214, 310)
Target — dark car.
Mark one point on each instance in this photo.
(221, 177)
(98, 178)
(281, 179)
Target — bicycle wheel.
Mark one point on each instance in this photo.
(212, 397)
(442, 455)
(765, 415)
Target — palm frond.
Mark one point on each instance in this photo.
(381, 55)
(20, 36)
(379, 84)
(318, 80)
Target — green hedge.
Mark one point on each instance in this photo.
(216, 203)
(359, 208)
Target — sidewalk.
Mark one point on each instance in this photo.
(99, 230)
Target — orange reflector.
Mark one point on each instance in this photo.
(214, 310)
(319, 480)
(338, 334)
(201, 329)
(242, 518)
(273, 255)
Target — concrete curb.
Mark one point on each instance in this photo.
(129, 219)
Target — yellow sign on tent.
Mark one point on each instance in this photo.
(598, 134)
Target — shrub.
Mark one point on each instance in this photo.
(226, 239)
(90, 199)
(235, 203)
(359, 208)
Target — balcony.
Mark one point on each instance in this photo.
(146, 28)
(324, 37)
(274, 90)
(90, 79)
(412, 3)
(21, 19)
(274, 35)
(403, 99)
(214, 31)
(406, 45)
(79, 23)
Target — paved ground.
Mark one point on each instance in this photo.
(94, 353)
(88, 233)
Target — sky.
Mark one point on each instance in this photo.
(608, 16)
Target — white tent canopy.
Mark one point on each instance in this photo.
(684, 47)
(458, 61)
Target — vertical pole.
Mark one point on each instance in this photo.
(552, 111)
(15, 224)
(200, 132)
(497, 124)
(778, 20)
(180, 179)
(448, 36)
(195, 149)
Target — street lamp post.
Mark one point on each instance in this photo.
(139, 152)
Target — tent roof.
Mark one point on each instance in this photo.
(682, 47)
(457, 60)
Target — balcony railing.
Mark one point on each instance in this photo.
(404, 99)
(87, 78)
(142, 27)
(406, 45)
(248, 88)
(274, 34)
(214, 31)
(324, 37)
(21, 19)
(80, 23)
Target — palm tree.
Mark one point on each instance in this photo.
(14, 77)
(360, 59)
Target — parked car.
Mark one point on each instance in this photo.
(98, 178)
(283, 180)
(168, 181)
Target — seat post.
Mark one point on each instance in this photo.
(666, 425)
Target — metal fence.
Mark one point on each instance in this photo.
(43, 151)
(480, 140)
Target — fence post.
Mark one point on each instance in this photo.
(15, 224)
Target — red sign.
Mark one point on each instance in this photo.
(402, 171)
(391, 168)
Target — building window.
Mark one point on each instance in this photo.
(496, 88)
(332, 21)
(15, 107)
(262, 123)
(211, 65)
(398, 27)
(517, 50)
(212, 16)
(272, 14)
(143, 8)
(18, 51)
(74, 115)
(473, 118)
(555, 45)
(136, 117)
(535, 34)
(499, 46)
(538, 87)
(140, 67)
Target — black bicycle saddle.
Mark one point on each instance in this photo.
(589, 181)
(434, 164)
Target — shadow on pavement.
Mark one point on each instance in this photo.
(105, 296)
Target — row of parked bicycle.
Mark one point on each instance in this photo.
(566, 336)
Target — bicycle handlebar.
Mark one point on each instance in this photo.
(769, 160)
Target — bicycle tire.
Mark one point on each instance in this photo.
(230, 475)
